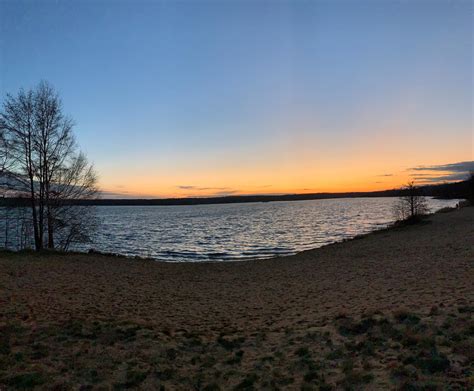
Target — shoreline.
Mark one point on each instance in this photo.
(390, 226)
(391, 309)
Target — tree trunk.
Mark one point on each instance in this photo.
(50, 228)
(38, 241)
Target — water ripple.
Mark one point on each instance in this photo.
(239, 231)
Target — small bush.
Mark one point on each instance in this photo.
(335, 354)
(406, 317)
(310, 376)
(348, 327)
(248, 382)
(134, 378)
(230, 344)
(302, 352)
(433, 363)
(237, 358)
(26, 380)
(211, 387)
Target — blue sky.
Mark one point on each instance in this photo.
(251, 96)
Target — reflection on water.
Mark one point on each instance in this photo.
(239, 231)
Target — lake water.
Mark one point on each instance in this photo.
(239, 231)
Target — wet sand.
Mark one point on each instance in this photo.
(244, 324)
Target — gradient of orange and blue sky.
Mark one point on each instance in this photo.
(181, 98)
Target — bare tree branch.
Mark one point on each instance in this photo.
(39, 158)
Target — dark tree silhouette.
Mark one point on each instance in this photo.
(470, 182)
(41, 160)
(412, 204)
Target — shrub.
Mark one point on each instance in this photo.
(26, 380)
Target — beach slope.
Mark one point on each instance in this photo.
(390, 310)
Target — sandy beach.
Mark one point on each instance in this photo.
(390, 310)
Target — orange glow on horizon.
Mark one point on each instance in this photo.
(379, 159)
(256, 183)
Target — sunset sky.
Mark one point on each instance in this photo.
(195, 98)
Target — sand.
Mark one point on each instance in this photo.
(295, 322)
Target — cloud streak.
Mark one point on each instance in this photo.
(199, 188)
(463, 167)
(210, 191)
(442, 172)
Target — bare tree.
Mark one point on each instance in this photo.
(43, 162)
(412, 204)
(74, 180)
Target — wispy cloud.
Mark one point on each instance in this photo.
(463, 167)
(209, 191)
(120, 192)
(439, 178)
(199, 188)
(225, 193)
(384, 175)
(442, 172)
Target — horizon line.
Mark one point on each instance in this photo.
(280, 194)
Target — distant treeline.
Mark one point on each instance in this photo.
(448, 191)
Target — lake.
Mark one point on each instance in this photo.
(228, 232)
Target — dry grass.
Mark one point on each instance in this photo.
(379, 351)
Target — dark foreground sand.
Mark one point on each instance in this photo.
(392, 310)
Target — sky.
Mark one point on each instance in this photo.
(199, 98)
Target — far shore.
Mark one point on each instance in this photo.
(393, 309)
(452, 190)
